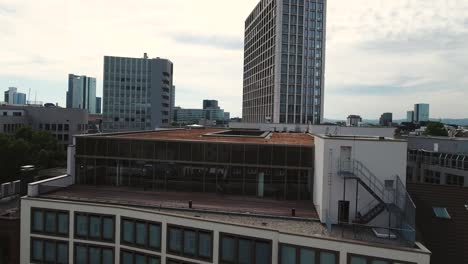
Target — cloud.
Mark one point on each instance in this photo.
(7, 10)
(215, 41)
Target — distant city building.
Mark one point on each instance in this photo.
(98, 105)
(137, 93)
(62, 123)
(284, 62)
(173, 90)
(210, 104)
(227, 116)
(211, 114)
(386, 119)
(353, 120)
(188, 116)
(12, 97)
(410, 116)
(81, 92)
(421, 113)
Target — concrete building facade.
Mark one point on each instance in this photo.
(207, 196)
(63, 123)
(81, 93)
(137, 93)
(284, 62)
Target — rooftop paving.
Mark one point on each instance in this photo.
(206, 134)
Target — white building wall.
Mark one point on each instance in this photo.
(384, 158)
(419, 256)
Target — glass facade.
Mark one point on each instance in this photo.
(270, 171)
(49, 222)
(236, 249)
(291, 254)
(141, 234)
(49, 251)
(190, 242)
(94, 227)
(134, 257)
(93, 254)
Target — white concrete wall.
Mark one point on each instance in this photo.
(419, 256)
(384, 159)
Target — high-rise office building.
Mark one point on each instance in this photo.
(386, 119)
(410, 116)
(81, 92)
(421, 112)
(12, 97)
(284, 62)
(137, 93)
(98, 105)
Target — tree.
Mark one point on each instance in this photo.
(436, 129)
(28, 147)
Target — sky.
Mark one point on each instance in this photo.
(381, 55)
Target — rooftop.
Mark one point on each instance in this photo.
(221, 135)
(241, 210)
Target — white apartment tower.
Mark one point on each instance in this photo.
(284, 62)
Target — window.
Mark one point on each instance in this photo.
(237, 249)
(455, 180)
(94, 227)
(176, 261)
(441, 212)
(133, 257)
(189, 242)
(87, 253)
(50, 222)
(142, 234)
(291, 254)
(361, 259)
(49, 251)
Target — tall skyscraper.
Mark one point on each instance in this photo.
(12, 97)
(421, 112)
(284, 62)
(137, 93)
(81, 92)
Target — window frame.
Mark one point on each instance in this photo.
(87, 245)
(56, 227)
(134, 253)
(369, 259)
(141, 221)
(298, 252)
(88, 236)
(44, 240)
(197, 231)
(237, 237)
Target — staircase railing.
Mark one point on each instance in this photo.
(359, 170)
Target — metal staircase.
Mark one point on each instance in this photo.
(386, 198)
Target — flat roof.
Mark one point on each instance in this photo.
(239, 210)
(209, 202)
(206, 134)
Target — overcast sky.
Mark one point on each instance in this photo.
(382, 55)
